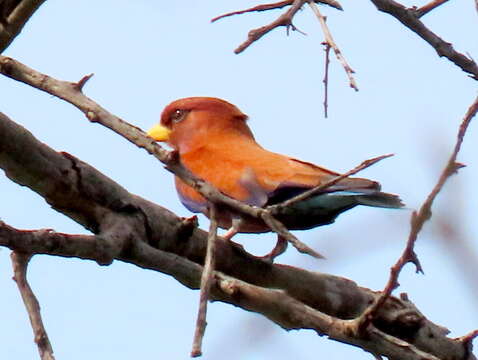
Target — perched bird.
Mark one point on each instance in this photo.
(215, 143)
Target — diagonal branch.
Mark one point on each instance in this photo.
(20, 262)
(410, 19)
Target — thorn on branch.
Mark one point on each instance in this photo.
(80, 84)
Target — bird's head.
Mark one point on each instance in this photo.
(191, 122)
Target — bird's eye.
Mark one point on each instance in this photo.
(178, 115)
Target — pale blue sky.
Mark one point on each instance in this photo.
(145, 54)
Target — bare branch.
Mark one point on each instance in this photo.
(277, 5)
(206, 281)
(264, 7)
(408, 18)
(329, 40)
(20, 264)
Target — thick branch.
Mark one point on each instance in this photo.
(276, 304)
(14, 21)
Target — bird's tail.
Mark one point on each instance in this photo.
(380, 199)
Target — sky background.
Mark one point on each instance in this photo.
(144, 55)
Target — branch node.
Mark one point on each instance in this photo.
(90, 115)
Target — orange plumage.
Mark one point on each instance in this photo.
(215, 143)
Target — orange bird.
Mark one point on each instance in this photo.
(215, 143)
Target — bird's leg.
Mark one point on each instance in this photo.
(280, 247)
(234, 229)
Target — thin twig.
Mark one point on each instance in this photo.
(326, 78)
(417, 221)
(263, 7)
(206, 281)
(273, 6)
(20, 264)
(425, 9)
(330, 40)
(284, 20)
(307, 194)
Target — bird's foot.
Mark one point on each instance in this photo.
(279, 249)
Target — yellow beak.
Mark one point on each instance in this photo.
(159, 133)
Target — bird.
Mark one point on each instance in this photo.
(214, 142)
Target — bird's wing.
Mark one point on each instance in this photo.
(249, 173)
